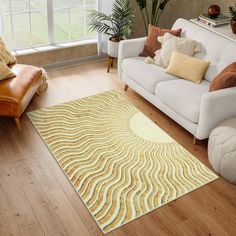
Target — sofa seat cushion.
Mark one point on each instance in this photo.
(146, 75)
(16, 93)
(184, 97)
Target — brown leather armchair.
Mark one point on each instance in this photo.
(16, 93)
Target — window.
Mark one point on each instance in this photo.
(34, 23)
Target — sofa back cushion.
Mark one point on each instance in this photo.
(215, 48)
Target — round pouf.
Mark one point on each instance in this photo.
(222, 149)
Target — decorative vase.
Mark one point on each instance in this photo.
(214, 11)
(233, 26)
(113, 48)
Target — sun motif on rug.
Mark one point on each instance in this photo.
(121, 164)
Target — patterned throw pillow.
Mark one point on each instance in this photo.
(170, 44)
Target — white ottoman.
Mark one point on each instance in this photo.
(222, 150)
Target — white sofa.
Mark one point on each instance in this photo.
(189, 104)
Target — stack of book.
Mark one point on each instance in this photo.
(219, 21)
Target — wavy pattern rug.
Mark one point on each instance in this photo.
(121, 164)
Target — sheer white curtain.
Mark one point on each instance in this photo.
(0, 27)
(1, 17)
(104, 6)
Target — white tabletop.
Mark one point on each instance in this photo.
(224, 31)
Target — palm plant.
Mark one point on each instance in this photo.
(118, 25)
(156, 10)
(232, 12)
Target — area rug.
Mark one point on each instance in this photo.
(121, 164)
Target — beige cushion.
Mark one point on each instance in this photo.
(5, 54)
(5, 72)
(187, 67)
(222, 149)
(172, 43)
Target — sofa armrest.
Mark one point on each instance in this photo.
(215, 107)
(129, 48)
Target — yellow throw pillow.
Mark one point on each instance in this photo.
(187, 67)
(5, 72)
(5, 54)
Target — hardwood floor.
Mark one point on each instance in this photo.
(37, 199)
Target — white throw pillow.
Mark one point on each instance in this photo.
(170, 44)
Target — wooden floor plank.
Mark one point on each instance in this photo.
(38, 200)
(18, 203)
(8, 225)
(32, 230)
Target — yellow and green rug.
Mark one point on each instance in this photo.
(121, 164)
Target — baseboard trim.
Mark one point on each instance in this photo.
(74, 62)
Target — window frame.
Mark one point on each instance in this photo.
(50, 10)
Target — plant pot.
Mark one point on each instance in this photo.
(233, 26)
(113, 48)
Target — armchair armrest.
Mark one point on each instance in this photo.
(129, 48)
(215, 107)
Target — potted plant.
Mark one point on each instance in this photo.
(152, 17)
(232, 12)
(118, 25)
